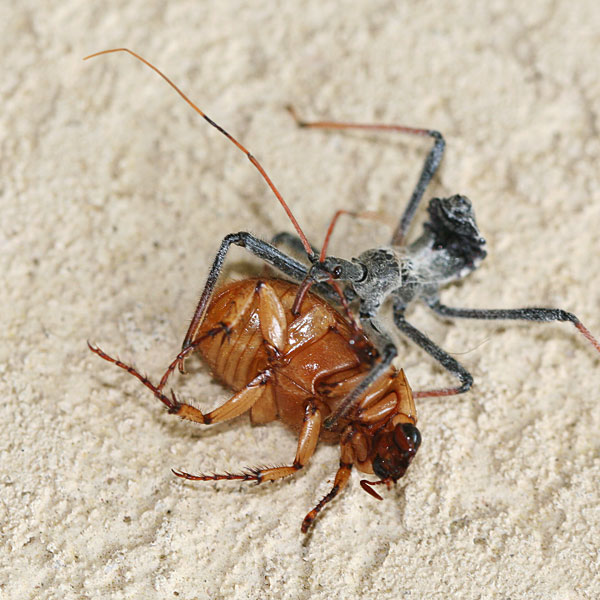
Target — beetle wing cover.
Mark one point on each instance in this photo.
(310, 326)
(273, 323)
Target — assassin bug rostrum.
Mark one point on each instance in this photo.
(449, 248)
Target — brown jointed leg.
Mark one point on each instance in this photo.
(238, 404)
(307, 441)
(341, 479)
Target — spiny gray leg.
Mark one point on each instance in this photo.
(525, 314)
(256, 246)
(387, 356)
(543, 315)
(441, 356)
(387, 352)
(432, 162)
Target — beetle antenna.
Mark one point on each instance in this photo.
(251, 158)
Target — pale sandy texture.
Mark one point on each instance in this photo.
(114, 199)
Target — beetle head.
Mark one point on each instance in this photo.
(394, 451)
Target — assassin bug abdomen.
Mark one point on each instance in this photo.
(297, 368)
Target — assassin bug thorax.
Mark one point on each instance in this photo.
(449, 248)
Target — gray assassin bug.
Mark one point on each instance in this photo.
(449, 248)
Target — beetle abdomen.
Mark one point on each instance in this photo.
(318, 343)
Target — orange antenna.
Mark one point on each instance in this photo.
(227, 135)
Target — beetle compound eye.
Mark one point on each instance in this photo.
(380, 468)
(407, 437)
(336, 272)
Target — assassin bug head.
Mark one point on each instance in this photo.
(332, 267)
(394, 451)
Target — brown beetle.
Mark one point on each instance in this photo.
(297, 367)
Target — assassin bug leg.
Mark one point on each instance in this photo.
(442, 357)
(454, 367)
(449, 248)
(521, 314)
(430, 166)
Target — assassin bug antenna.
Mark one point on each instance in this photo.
(251, 158)
(308, 282)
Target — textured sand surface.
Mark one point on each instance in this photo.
(114, 198)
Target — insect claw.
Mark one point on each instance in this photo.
(366, 485)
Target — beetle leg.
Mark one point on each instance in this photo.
(341, 479)
(238, 404)
(393, 395)
(379, 411)
(238, 309)
(307, 441)
(273, 324)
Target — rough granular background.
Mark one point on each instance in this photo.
(114, 198)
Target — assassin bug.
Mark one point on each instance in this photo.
(449, 248)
